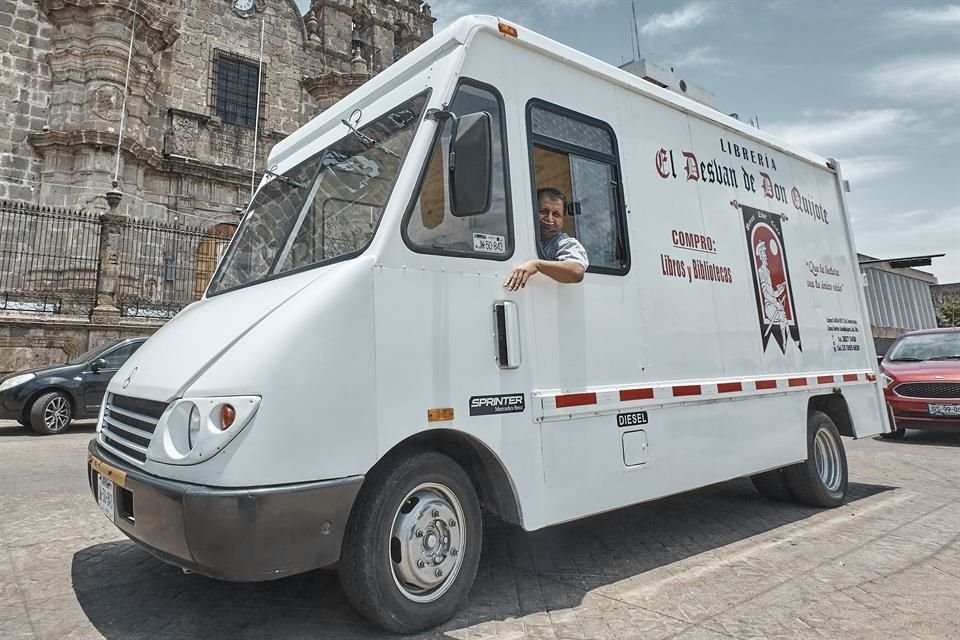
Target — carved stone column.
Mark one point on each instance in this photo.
(108, 263)
(88, 74)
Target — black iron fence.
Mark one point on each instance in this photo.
(48, 259)
(49, 262)
(163, 267)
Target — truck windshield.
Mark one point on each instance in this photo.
(325, 208)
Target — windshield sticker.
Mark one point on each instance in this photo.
(483, 243)
(489, 405)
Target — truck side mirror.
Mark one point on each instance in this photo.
(98, 365)
(471, 164)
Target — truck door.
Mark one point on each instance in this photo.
(457, 339)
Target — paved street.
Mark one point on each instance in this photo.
(718, 563)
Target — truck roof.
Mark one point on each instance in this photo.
(462, 31)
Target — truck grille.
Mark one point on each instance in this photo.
(928, 390)
(128, 425)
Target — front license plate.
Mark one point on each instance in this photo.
(105, 497)
(944, 409)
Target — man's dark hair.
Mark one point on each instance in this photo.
(553, 194)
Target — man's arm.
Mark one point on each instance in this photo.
(567, 272)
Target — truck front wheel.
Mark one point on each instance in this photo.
(412, 545)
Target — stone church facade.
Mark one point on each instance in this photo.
(82, 262)
(194, 116)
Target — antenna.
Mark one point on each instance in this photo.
(636, 32)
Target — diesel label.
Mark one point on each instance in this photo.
(631, 419)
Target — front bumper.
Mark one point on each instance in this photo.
(242, 535)
(12, 403)
(915, 414)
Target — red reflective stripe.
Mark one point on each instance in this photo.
(797, 382)
(686, 390)
(766, 384)
(576, 399)
(849, 377)
(635, 394)
(871, 377)
(727, 387)
(824, 379)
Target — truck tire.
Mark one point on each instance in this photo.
(821, 479)
(51, 413)
(773, 485)
(412, 544)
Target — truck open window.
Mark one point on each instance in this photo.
(578, 155)
(430, 226)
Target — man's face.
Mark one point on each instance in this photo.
(551, 217)
(762, 254)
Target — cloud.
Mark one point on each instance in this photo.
(579, 5)
(917, 232)
(448, 11)
(830, 131)
(917, 78)
(946, 16)
(699, 57)
(860, 169)
(686, 17)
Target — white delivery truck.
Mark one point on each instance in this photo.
(357, 382)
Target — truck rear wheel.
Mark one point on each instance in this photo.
(412, 545)
(820, 480)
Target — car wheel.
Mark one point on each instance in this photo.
(821, 479)
(773, 485)
(412, 545)
(51, 413)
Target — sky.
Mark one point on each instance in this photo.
(873, 83)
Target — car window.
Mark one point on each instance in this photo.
(926, 346)
(117, 357)
(94, 353)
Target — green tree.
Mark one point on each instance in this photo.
(948, 313)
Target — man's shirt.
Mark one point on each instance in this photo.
(563, 248)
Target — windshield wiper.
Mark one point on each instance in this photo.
(368, 141)
(906, 359)
(284, 179)
(956, 357)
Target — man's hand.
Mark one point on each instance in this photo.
(519, 276)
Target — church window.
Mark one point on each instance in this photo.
(235, 89)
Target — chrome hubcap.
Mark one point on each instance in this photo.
(426, 542)
(56, 415)
(826, 455)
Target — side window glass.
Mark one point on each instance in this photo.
(430, 227)
(577, 156)
(117, 357)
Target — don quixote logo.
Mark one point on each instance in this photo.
(771, 278)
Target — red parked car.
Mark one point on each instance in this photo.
(921, 378)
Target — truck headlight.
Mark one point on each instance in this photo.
(16, 381)
(195, 429)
